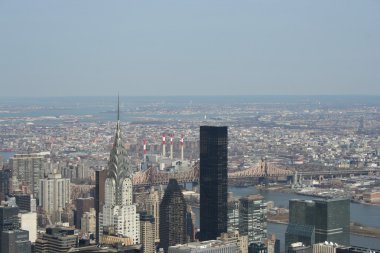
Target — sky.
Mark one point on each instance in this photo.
(189, 47)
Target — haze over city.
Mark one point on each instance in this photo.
(158, 48)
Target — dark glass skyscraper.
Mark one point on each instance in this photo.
(332, 221)
(172, 217)
(314, 221)
(213, 181)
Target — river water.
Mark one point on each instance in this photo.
(364, 214)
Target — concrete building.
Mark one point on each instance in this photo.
(29, 169)
(241, 241)
(108, 249)
(325, 247)
(253, 218)
(54, 194)
(152, 207)
(28, 222)
(213, 246)
(213, 181)
(56, 240)
(147, 233)
(88, 222)
(172, 216)
(119, 212)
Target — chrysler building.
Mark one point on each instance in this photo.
(119, 213)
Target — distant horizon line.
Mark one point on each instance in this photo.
(169, 96)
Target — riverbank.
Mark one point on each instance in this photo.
(355, 228)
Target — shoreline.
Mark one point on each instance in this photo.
(355, 229)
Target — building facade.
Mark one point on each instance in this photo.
(213, 181)
(147, 233)
(29, 169)
(315, 221)
(54, 194)
(172, 217)
(253, 218)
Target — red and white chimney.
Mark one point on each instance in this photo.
(181, 143)
(171, 146)
(145, 142)
(163, 144)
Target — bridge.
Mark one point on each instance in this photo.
(151, 176)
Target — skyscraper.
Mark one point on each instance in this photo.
(28, 168)
(101, 176)
(213, 181)
(252, 220)
(301, 222)
(314, 221)
(54, 194)
(12, 238)
(147, 233)
(172, 217)
(332, 221)
(8, 219)
(119, 213)
(15, 241)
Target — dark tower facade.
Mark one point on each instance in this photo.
(315, 221)
(172, 217)
(213, 181)
(99, 198)
(332, 221)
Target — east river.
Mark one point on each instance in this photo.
(364, 214)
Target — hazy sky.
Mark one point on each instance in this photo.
(189, 47)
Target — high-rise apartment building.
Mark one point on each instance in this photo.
(147, 233)
(314, 221)
(253, 218)
(119, 213)
(213, 181)
(54, 194)
(29, 169)
(152, 207)
(172, 216)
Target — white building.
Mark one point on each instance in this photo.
(54, 194)
(28, 222)
(119, 213)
